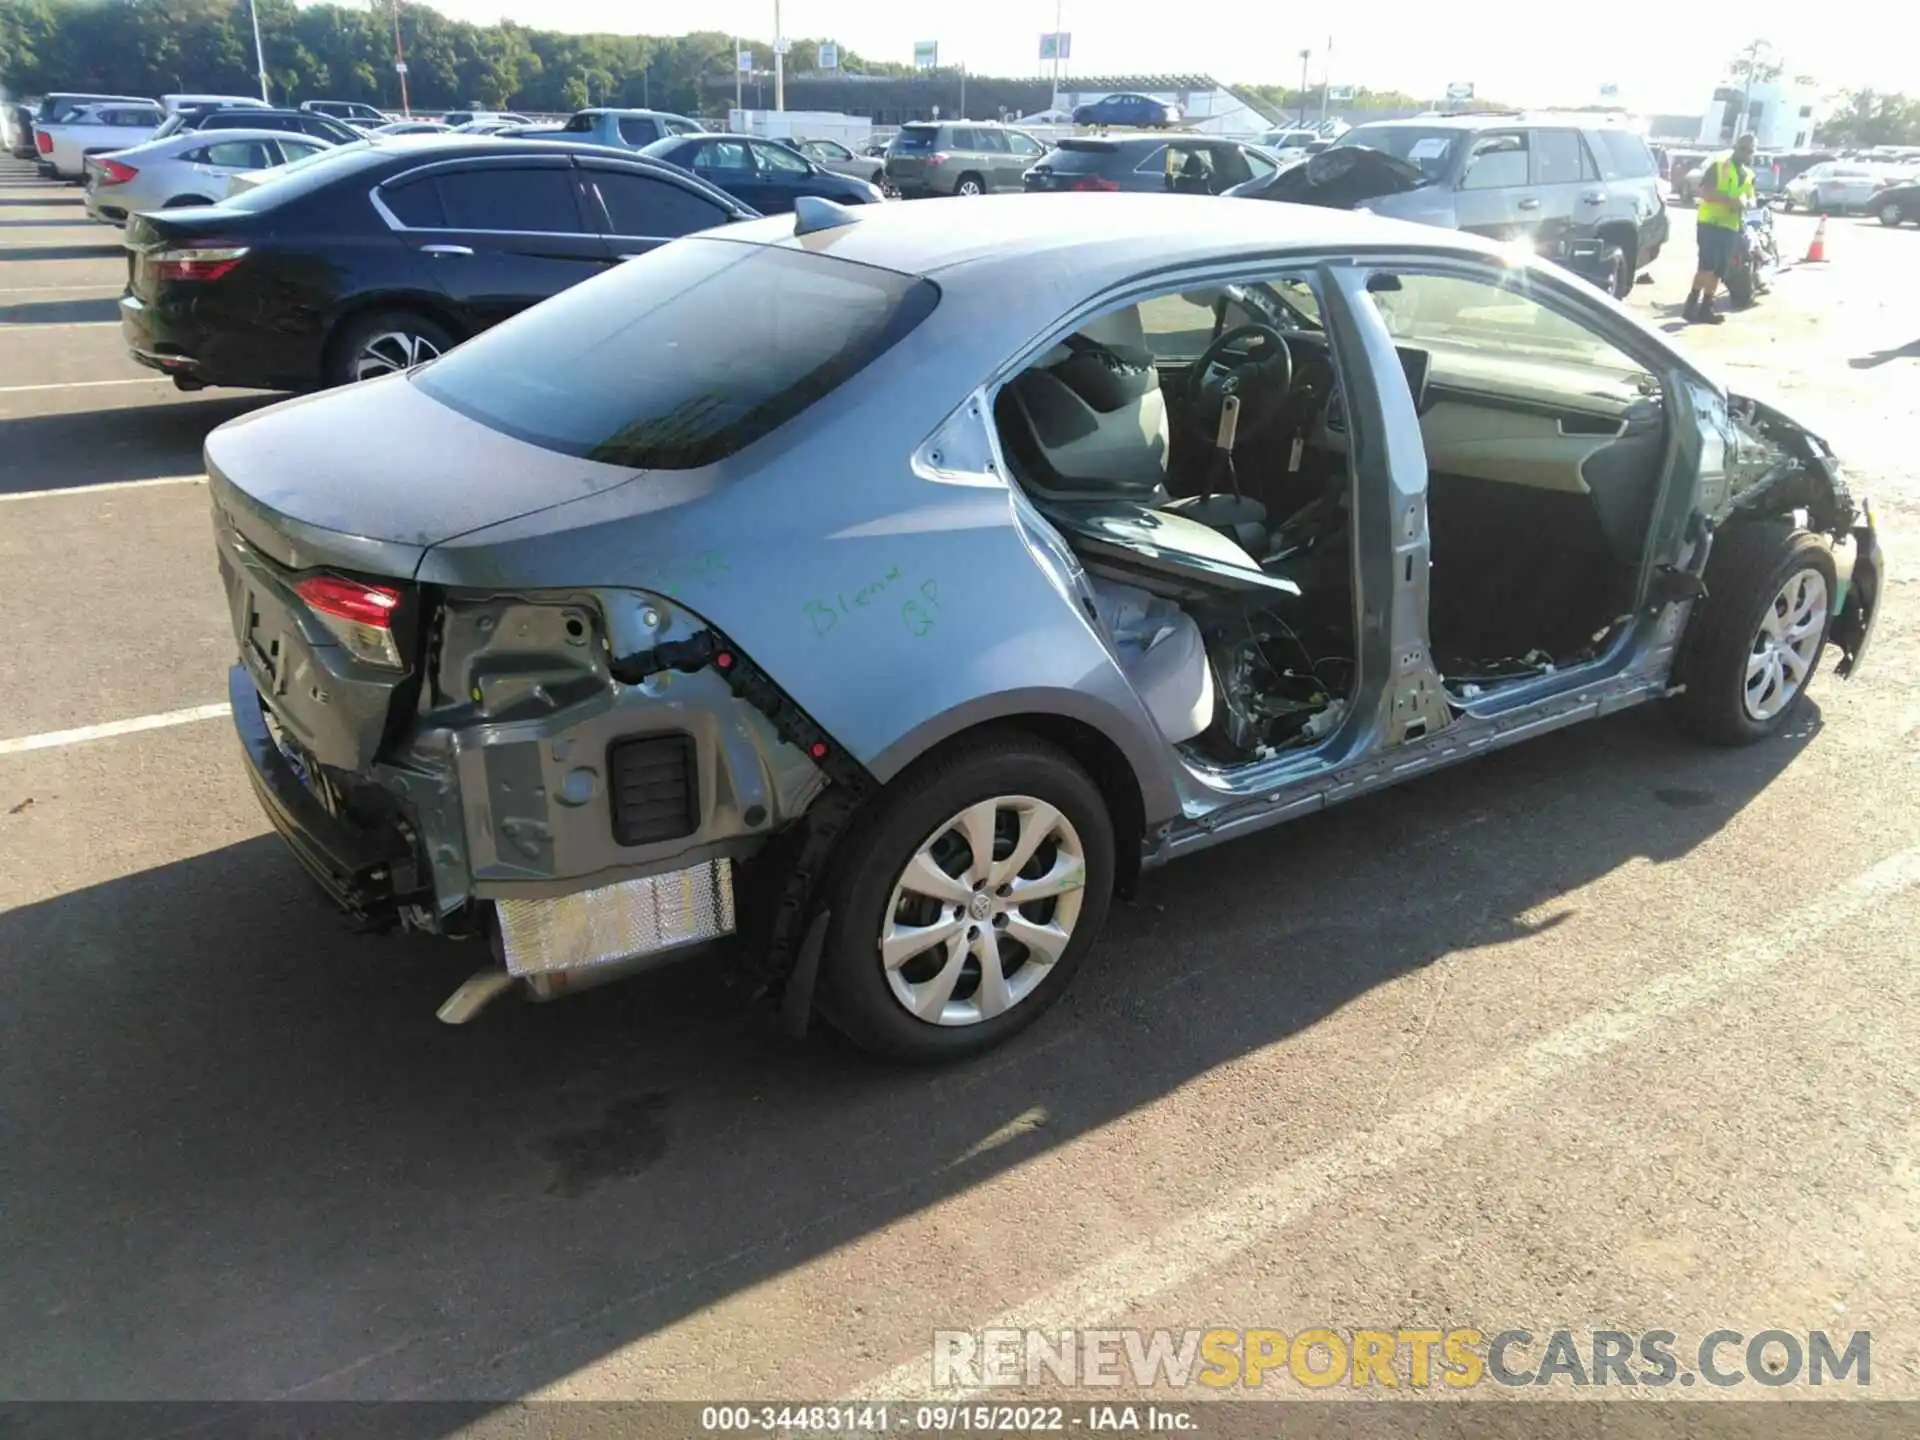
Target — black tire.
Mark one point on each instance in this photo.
(1749, 566)
(1891, 215)
(960, 185)
(357, 330)
(180, 202)
(1616, 270)
(854, 994)
(1740, 284)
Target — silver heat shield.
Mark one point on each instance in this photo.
(618, 922)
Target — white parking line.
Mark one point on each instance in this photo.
(1215, 1238)
(85, 384)
(60, 325)
(107, 485)
(47, 289)
(53, 739)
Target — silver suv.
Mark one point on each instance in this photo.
(1575, 187)
(959, 157)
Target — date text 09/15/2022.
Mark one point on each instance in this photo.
(977, 1419)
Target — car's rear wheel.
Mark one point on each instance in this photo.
(1753, 644)
(384, 343)
(969, 185)
(965, 903)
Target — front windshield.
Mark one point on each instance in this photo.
(1425, 147)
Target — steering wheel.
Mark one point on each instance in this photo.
(1262, 378)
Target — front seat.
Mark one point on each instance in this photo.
(1087, 420)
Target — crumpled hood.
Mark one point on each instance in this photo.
(372, 475)
(1337, 179)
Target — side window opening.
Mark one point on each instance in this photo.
(1214, 549)
(1546, 453)
(1496, 162)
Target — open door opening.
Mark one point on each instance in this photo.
(1546, 445)
(1179, 445)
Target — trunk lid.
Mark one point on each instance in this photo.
(304, 485)
(300, 489)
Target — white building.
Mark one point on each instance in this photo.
(1780, 113)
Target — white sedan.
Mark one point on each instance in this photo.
(1836, 185)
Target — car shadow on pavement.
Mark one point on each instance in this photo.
(97, 447)
(244, 1160)
(1908, 351)
(60, 312)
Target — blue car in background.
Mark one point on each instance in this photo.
(1134, 110)
(762, 173)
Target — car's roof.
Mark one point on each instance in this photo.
(1093, 232)
(628, 110)
(1500, 119)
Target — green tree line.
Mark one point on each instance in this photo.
(153, 47)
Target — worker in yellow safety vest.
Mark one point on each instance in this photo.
(1726, 190)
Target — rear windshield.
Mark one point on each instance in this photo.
(1424, 146)
(682, 357)
(917, 137)
(1082, 157)
(581, 124)
(305, 175)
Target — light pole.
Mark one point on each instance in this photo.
(400, 62)
(779, 63)
(259, 55)
(1056, 51)
(1305, 55)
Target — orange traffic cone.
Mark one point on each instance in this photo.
(1817, 251)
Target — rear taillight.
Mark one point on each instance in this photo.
(112, 172)
(359, 616)
(207, 260)
(939, 157)
(44, 141)
(1095, 182)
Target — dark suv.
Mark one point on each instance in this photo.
(1576, 187)
(1188, 165)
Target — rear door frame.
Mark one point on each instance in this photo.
(438, 248)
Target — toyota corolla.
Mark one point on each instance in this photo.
(881, 591)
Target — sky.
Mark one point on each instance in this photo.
(1664, 55)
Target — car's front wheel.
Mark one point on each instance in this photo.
(1890, 215)
(965, 903)
(1753, 644)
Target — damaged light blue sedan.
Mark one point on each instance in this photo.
(880, 592)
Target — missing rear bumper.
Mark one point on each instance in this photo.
(630, 920)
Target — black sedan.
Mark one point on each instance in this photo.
(762, 173)
(1897, 203)
(377, 256)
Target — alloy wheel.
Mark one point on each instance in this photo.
(391, 351)
(1786, 644)
(1889, 214)
(983, 911)
(968, 187)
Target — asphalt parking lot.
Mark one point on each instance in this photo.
(1605, 1031)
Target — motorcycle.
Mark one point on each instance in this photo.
(1756, 258)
